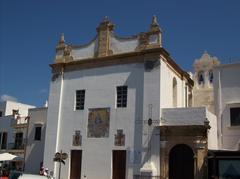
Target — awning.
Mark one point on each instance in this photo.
(9, 157)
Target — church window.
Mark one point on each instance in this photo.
(122, 96)
(80, 99)
(38, 131)
(235, 116)
(174, 92)
(210, 74)
(200, 78)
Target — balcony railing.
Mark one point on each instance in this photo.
(19, 121)
(13, 146)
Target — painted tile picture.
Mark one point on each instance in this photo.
(98, 122)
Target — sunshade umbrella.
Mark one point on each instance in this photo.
(9, 157)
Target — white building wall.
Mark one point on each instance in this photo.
(123, 45)
(5, 126)
(7, 106)
(86, 51)
(35, 148)
(53, 122)
(100, 85)
(151, 109)
(226, 95)
(167, 76)
(212, 132)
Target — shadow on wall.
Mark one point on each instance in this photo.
(35, 151)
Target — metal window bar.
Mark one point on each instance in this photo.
(80, 99)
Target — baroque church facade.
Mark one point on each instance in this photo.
(120, 107)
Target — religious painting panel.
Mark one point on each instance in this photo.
(98, 122)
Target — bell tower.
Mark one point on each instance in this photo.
(203, 79)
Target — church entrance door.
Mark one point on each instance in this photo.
(119, 164)
(181, 162)
(76, 163)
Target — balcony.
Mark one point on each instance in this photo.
(16, 148)
(19, 122)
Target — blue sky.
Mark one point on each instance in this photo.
(30, 29)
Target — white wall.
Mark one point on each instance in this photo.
(100, 85)
(5, 126)
(212, 133)
(23, 108)
(167, 76)
(227, 95)
(35, 149)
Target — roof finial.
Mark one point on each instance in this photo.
(105, 19)
(61, 43)
(154, 27)
(62, 38)
(154, 20)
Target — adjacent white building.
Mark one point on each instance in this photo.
(13, 128)
(35, 140)
(227, 105)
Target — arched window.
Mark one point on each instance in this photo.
(174, 92)
(200, 78)
(210, 76)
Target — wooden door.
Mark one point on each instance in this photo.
(181, 162)
(76, 163)
(119, 164)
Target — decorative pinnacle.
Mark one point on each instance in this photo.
(154, 21)
(62, 38)
(105, 19)
(61, 43)
(105, 24)
(154, 27)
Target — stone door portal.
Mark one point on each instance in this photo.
(181, 162)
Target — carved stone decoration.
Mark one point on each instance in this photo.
(104, 30)
(143, 41)
(119, 138)
(61, 44)
(77, 139)
(154, 27)
(67, 51)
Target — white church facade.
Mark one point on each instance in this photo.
(119, 108)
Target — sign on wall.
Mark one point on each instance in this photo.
(98, 122)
